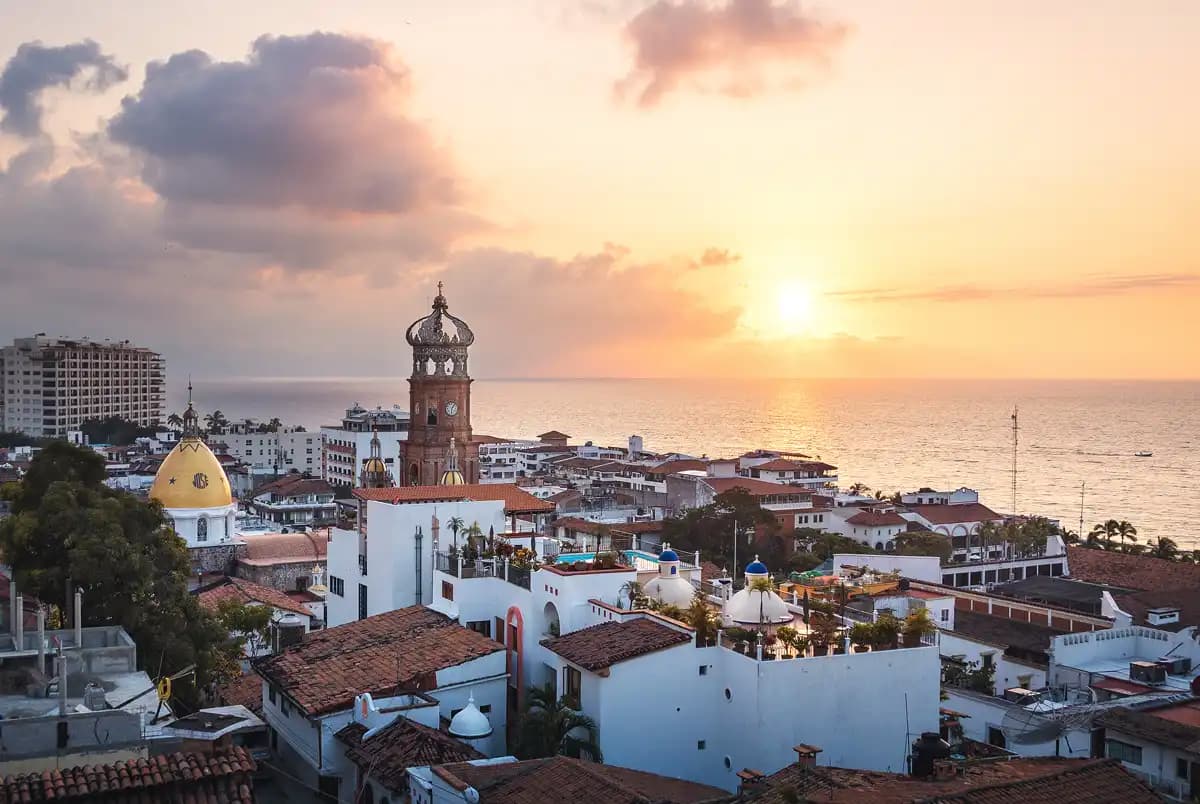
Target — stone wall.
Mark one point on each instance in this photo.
(216, 558)
(283, 576)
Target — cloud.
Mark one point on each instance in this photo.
(314, 121)
(1082, 288)
(36, 67)
(675, 42)
(715, 257)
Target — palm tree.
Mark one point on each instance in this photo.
(274, 425)
(1104, 535)
(632, 590)
(989, 533)
(215, 421)
(859, 488)
(175, 420)
(1165, 548)
(1125, 530)
(455, 525)
(703, 619)
(473, 532)
(1068, 536)
(551, 726)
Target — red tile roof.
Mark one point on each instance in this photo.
(292, 485)
(537, 781)
(586, 526)
(552, 434)
(516, 500)
(401, 745)
(223, 776)
(604, 645)
(244, 691)
(402, 649)
(1017, 781)
(950, 514)
(758, 488)
(285, 548)
(874, 519)
(1155, 582)
(243, 591)
(677, 465)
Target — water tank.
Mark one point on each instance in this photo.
(93, 697)
(289, 630)
(925, 750)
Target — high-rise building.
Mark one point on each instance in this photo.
(51, 386)
(439, 438)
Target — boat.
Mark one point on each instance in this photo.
(1143, 454)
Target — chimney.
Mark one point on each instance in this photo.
(750, 779)
(944, 770)
(806, 755)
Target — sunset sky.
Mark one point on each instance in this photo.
(620, 188)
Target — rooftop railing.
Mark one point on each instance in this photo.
(501, 568)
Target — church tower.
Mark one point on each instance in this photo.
(440, 400)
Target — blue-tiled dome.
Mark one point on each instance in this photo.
(756, 567)
(668, 555)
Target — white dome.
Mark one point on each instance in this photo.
(470, 723)
(752, 608)
(674, 591)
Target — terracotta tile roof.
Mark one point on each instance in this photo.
(755, 486)
(1004, 632)
(285, 548)
(224, 776)
(552, 434)
(244, 691)
(587, 526)
(1017, 781)
(403, 744)
(950, 514)
(546, 448)
(1153, 582)
(244, 591)
(788, 465)
(1174, 725)
(677, 465)
(480, 438)
(567, 494)
(536, 781)
(516, 500)
(402, 649)
(873, 519)
(604, 645)
(293, 485)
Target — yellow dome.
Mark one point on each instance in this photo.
(453, 477)
(374, 465)
(191, 477)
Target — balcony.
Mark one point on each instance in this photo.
(500, 568)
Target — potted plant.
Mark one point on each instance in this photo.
(740, 637)
(823, 630)
(917, 625)
(886, 632)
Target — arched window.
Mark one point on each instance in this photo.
(202, 529)
(368, 794)
(878, 545)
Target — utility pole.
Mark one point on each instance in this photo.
(1082, 487)
(1014, 460)
(735, 564)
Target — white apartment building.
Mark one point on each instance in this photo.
(50, 386)
(345, 447)
(265, 453)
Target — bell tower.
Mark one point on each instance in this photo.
(439, 394)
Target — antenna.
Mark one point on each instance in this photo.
(1015, 428)
(1082, 487)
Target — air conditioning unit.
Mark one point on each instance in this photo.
(1147, 673)
(1176, 665)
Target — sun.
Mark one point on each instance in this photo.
(793, 308)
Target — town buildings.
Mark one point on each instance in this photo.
(50, 386)
(347, 446)
(270, 451)
(293, 501)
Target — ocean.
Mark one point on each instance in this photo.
(890, 434)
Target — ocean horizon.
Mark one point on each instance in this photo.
(892, 434)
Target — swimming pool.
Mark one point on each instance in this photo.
(633, 555)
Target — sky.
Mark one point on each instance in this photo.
(704, 188)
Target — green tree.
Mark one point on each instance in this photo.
(67, 526)
(175, 421)
(858, 489)
(632, 590)
(216, 422)
(924, 543)
(274, 425)
(115, 430)
(710, 529)
(455, 524)
(248, 627)
(1165, 548)
(551, 726)
(1126, 531)
(1104, 535)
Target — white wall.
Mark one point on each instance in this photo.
(920, 568)
(1158, 765)
(984, 711)
(1008, 671)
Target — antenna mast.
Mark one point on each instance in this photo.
(1014, 461)
(1082, 487)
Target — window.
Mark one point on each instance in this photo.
(1124, 752)
(1181, 767)
(362, 601)
(996, 737)
(987, 659)
(703, 669)
(285, 707)
(572, 682)
(945, 615)
(202, 529)
(337, 586)
(486, 709)
(481, 627)
(447, 590)
(700, 745)
(499, 629)
(271, 694)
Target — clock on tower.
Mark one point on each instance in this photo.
(439, 399)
